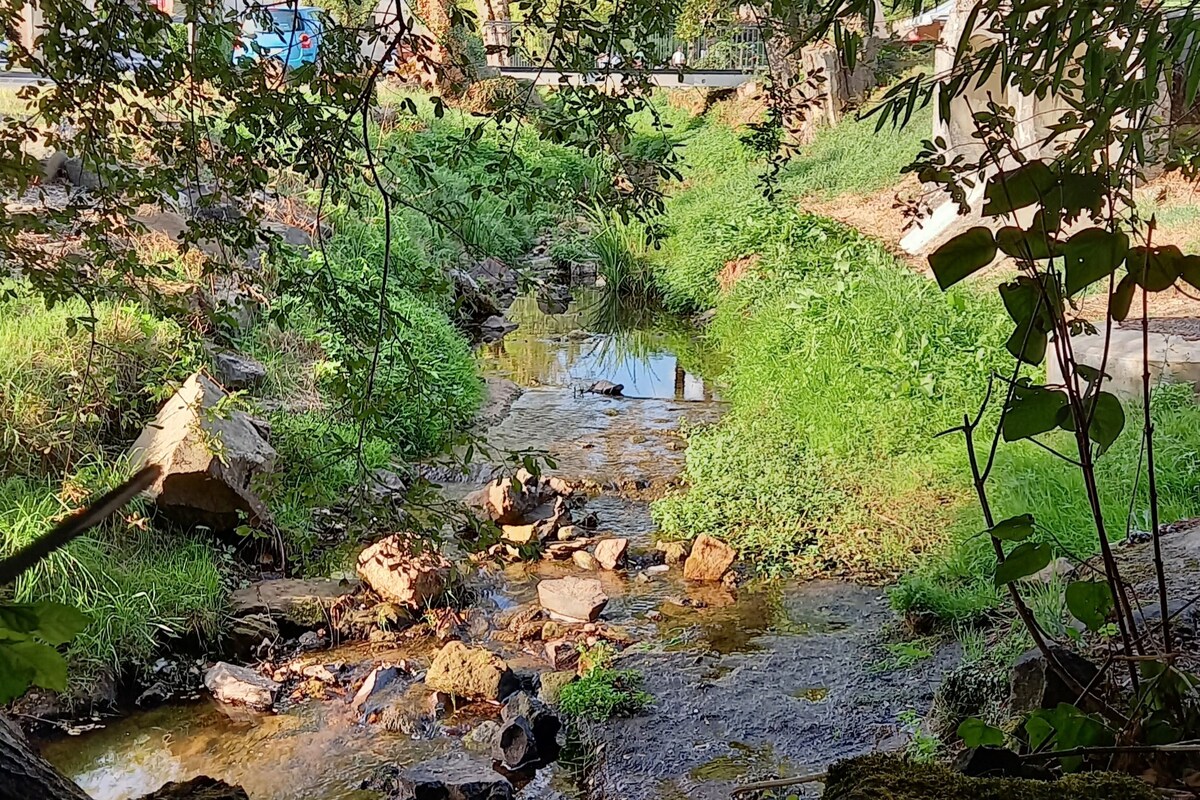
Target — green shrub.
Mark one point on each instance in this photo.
(842, 366)
(318, 466)
(604, 693)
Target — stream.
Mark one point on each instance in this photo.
(766, 680)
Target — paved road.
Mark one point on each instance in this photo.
(18, 78)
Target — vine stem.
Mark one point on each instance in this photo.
(1023, 611)
(1152, 483)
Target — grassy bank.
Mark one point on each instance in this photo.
(955, 584)
(842, 366)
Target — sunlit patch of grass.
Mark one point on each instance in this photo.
(137, 585)
(956, 585)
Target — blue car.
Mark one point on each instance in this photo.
(289, 35)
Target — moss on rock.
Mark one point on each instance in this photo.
(896, 778)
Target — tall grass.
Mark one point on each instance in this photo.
(137, 585)
(64, 397)
(841, 368)
(955, 585)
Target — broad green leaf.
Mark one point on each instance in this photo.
(1189, 267)
(1089, 602)
(1122, 299)
(1038, 729)
(1032, 410)
(1026, 301)
(1070, 728)
(46, 665)
(1092, 254)
(1108, 420)
(975, 732)
(1023, 561)
(59, 623)
(15, 675)
(1008, 191)
(1013, 529)
(17, 620)
(1155, 268)
(962, 256)
(1024, 245)
(1081, 192)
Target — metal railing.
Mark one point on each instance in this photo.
(736, 49)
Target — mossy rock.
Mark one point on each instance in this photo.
(893, 777)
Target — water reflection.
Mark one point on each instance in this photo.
(559, 350)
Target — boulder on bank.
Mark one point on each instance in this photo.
(242, 686)
(404, 570)
(209, 458)
(297, 603)
(473, 673)
(237, 372)
(1036, 684)
(572, 599)
(709, 560)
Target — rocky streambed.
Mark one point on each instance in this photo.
(749, 681)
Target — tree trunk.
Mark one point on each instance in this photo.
(494, 21)
(25, 775)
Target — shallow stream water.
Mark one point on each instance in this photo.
(759, 681)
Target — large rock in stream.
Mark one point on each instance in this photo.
(209, 458)
(454, 777)
(240, 686)
(471, 672)
(404, 570)
(709, 560)
(502, 502)
(202, 788)
(572, 599)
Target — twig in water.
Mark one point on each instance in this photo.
(779, 783)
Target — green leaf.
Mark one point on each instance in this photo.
(963, 256)
(1013, 529)
(15, 675)
(1092, 254)
(1025, 245)
(975, 732)
(59, 623)
(1155, 268)
(1032, 410)
(1108, 420)
(1008, 191)
(1023, 301)
(1081, 192)
(45, 665)
(1089, 602)
(1071, 728)
(1122, 299)
(1023, 561)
